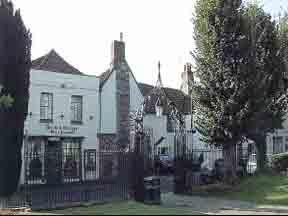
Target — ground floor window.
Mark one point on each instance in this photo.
(90, 162)
(34, 160)
(52, 160)
(278, 145)
(163, 151)
(286, 144)
(71, 160)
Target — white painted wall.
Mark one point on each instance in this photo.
(108, 108)
(159, 127)
(285, 123)
(136, 98)
(278, 133)
(51, 82)
(85, 86)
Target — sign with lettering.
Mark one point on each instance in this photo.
(56, 129)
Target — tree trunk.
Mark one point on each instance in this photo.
(230, 161)
(260, 142)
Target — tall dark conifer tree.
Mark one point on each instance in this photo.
(15, 63)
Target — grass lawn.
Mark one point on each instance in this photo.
(262, 189)
(125, 208)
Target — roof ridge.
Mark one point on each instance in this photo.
(59, 56)
(52, 61)
(44, 59)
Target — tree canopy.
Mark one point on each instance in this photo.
(239, 61)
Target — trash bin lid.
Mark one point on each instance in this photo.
(151, 178)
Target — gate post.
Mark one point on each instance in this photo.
(138, 170)
(179, 164)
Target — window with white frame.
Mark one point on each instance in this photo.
(76, 109)
(90, 162)
(286, 144)
(278, 145)
(71, 159)
(46, 106)
(34, 161)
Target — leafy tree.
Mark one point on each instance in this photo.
(6, 101)
(15, 63)
(220, 61)
(268, 99)
(241, 64)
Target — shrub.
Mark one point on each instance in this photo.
(280, 162)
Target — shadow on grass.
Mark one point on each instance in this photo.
(124, 208)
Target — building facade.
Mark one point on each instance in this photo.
(277, 142)
(73, 116)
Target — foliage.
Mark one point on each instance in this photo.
(268, 100)
(6, 101)
(15, 63)
(280, 162)
(241, 64)
(221, 56)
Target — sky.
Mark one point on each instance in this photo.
(82, 33)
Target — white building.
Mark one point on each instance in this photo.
(72, 114)
(277, 142)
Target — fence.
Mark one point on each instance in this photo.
(56, 180)
(206, 166)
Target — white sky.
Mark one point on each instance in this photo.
(82, 32)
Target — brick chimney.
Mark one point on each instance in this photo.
(118, 50)
(122, 69)
(187, 78)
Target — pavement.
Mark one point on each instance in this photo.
(216, 206)
(246, 212)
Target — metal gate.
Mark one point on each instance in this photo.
(183, 145)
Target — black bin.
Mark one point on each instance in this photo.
(152, 190)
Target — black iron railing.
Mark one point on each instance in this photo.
(70, 177)
(54, 168)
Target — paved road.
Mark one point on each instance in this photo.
(203, 204)
(251, 212)
(167, 184)
(219, 206)
(214, 205)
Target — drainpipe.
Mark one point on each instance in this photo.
(100, 116)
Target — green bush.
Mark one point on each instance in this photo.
(280, 162)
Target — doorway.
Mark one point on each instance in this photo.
(53, 162)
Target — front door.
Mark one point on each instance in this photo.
(53, 162)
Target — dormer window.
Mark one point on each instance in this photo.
(159, 108)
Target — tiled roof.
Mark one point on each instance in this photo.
(55, 63)
(181, 100)
(104, 77)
